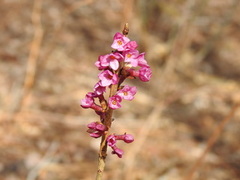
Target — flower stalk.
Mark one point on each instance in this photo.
(125, 62)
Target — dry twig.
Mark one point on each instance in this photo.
(212, 140)
(181, 40)
(77, 5)
(33, 55)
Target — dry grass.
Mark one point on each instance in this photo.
(185, 121)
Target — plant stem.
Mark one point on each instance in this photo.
(108, 121)
(103, 146)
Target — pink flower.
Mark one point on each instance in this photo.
(141, 60)
(145, 74)
(114, 59)
(132, 72)
(92, 125)
(117, 151)
(96, 134)
(119, 40)
(101, 63)
(107, 78)
(131, 57)
(127, 92)
(98, 89)
(132, 45)
(97, 126)
(88, 101)
(127, 138)
(107, 60)
(111, 140)
(114, 102)
(96, 129)
(101, 127)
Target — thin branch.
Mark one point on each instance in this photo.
(212, 140)
(181, 40)
(77, 5)
(33, 55)
(143, 134)
(45, 160)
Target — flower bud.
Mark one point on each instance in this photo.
(128, 138)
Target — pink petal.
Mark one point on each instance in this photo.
(114, 64)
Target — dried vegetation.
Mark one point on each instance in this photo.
(186, 120)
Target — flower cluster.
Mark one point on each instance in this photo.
(124, 62)
(96, 129)
(112, 140)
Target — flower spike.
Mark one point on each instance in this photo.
(125, 61)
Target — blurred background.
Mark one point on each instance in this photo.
(47, 54)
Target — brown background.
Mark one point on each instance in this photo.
(47, 55)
